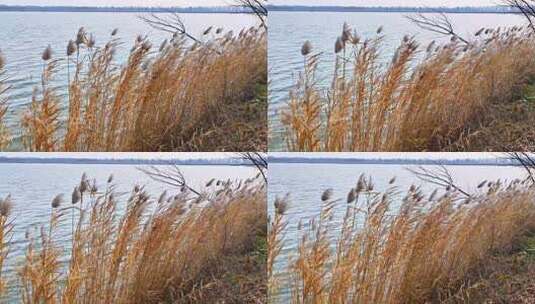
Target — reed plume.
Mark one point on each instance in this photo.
(41, 121)
(419, 100)
(178, 98)
(398, 246)
(142, 248)
(6, 234)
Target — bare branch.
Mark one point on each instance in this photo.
(440, 177)
(527, 161)
(258, 7)
(526, 7)
(440, 24)
(169, 175)
(170, 23)
(258, 160)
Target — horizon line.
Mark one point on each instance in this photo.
(240, 7)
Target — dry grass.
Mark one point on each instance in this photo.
(506, 126)
(507, 278)
(170, 99)
(422, 99)
(419, 249)
(166, 249)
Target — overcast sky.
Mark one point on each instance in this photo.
(279, 2)
(119, 2)
(388, 2)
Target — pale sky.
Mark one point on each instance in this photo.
(388, 2)
(276, 2)
(119, 2)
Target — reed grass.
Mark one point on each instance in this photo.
(421, 99)
(171, 98)
(397, 246)
(140, 248)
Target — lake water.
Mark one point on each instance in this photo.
(33, 186)
(288, 31)
(306, 183)
(24, 36)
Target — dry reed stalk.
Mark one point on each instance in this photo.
(414, 250)
(156, 250)
(274, 243)
(415, 102)
(170, 99)
(41, 121)
(6, 234)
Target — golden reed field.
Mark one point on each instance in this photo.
(178, 96)
(180, 246)
(423, 98)
(407, 246)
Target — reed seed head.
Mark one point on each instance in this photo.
(360, 184)
(327, 194)
(431, 46)
(94, 187)
(351, 196)
(2, 60)
(110, 179)
(207, 31)
(6, 205)
(163, 45)
(47, 53)
(209, 183)
(346, 33)
(355, 39)
(433, 194)
(281, 205)
(219, 30)
(91, 41)
(306, 48)
(162, 197)
(338, 45)
(71, 48)
(114, 32)
(76, 196)
(83, 184)
(380, 30)
(146, 46)
(81, 37)
(57, 201)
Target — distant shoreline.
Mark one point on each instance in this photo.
(85, 9)
(382, 9)
(272, 8)
(392, 161)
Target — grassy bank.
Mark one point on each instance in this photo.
(177, 96)
(182, 246)
(421, 99)
(504, 277)
(401, 246)
(504, 127)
